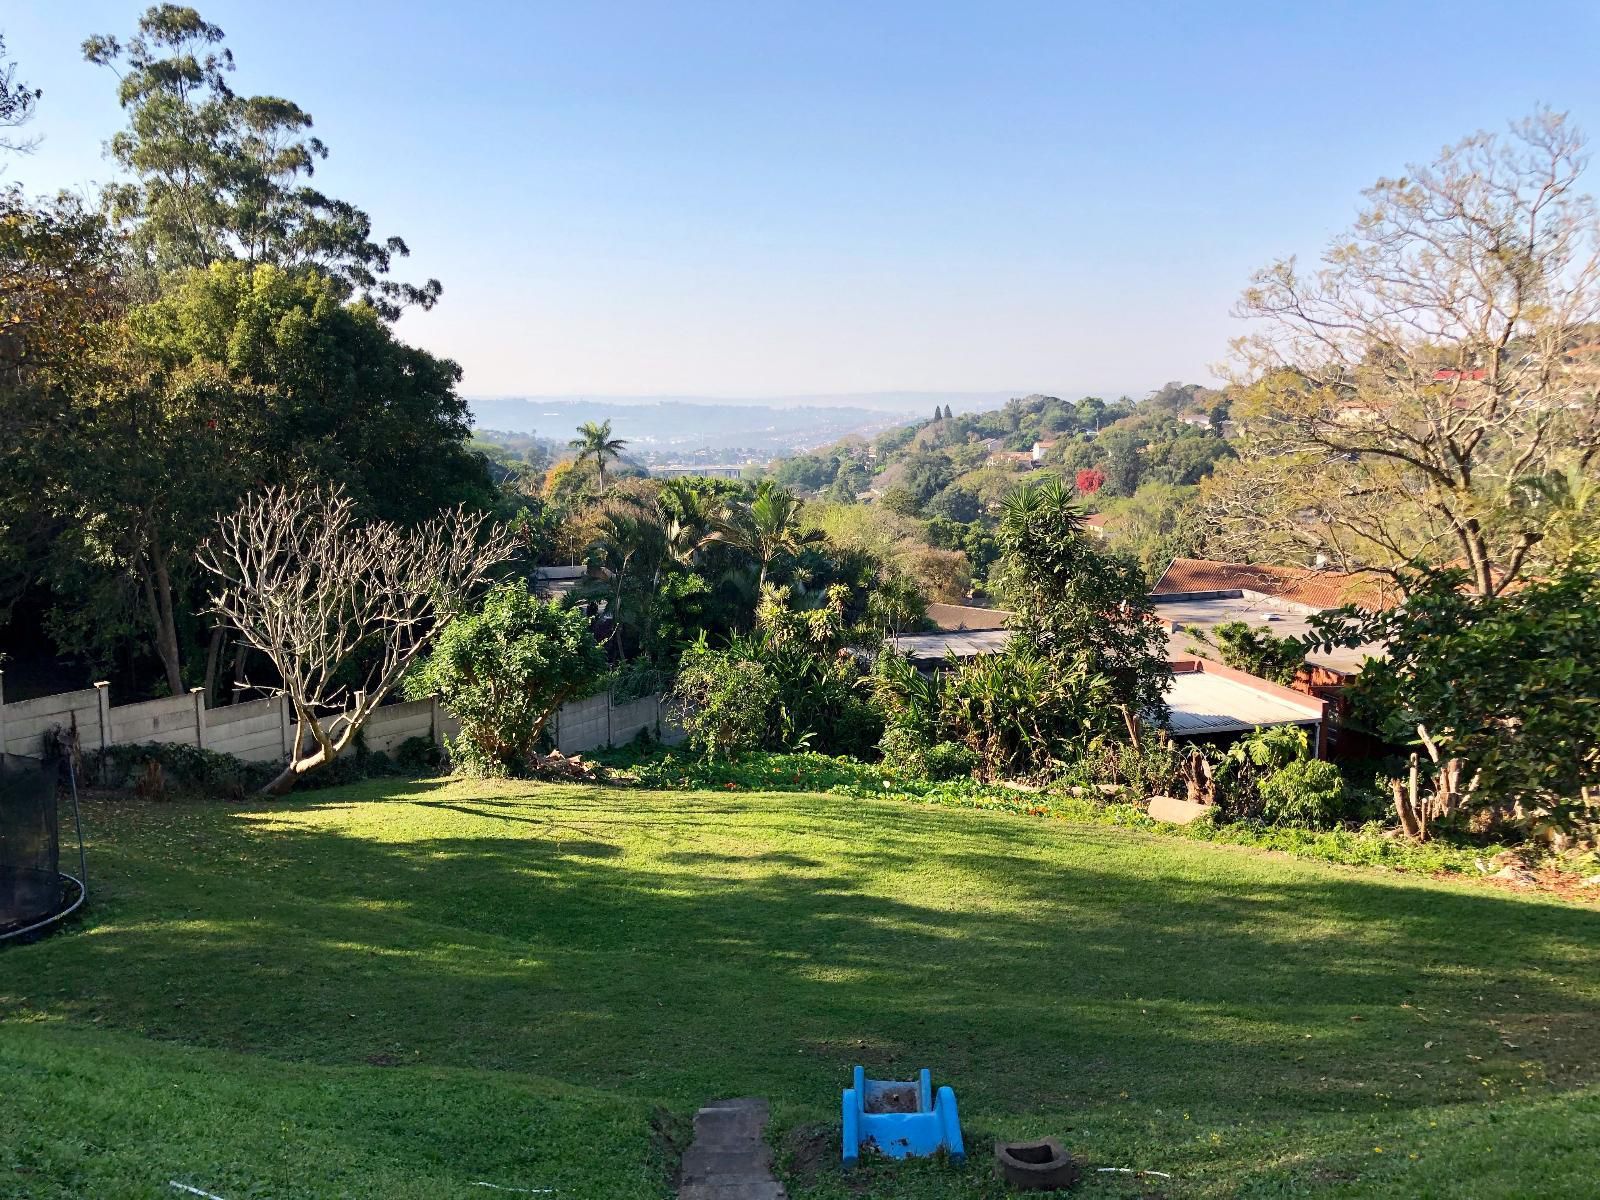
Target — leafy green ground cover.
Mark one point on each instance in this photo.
(399, 990)
(1368, 845)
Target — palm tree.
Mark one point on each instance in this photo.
(628, 544)
(595, 441)
(766, 528)
(687, 518)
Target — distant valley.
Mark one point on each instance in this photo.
(662, 425)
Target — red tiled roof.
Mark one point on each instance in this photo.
(1297, 585)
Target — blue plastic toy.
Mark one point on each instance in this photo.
(879, 1113)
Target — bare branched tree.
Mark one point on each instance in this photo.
(326, 597)
(1443, 359)
(17, 103)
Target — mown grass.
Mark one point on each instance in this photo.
(411, 989)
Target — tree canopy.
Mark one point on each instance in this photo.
(1409, 398)
(214, 175)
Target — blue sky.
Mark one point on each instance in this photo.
(749, 199)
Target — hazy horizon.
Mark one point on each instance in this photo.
(910, 403)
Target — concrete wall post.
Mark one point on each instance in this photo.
(103, 705)
(199, 695)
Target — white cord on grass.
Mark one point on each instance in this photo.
(1131, 1171)
(193, 1191)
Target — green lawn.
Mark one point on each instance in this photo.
(405, 990)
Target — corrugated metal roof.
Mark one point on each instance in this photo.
(1186, 613)
(1204, 703)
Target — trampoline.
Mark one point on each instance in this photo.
(35, 894)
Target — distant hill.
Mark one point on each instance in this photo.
(668, 423)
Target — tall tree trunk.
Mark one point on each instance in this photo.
(241, 651)
(219, 635)
(157, 583)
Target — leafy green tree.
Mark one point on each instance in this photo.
(806, 472)
(926, 473)
(216, 175)
(1119, 453)
(1500, 691)
(1072, 602)
(505, 670)
(58, 292)
(900, 500)
(595, 443)
(956, 503)
(851, 480)
(166, 415)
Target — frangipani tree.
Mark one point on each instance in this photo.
(324, 594)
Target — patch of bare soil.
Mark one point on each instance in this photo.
(811, 1151)
(894, 1098)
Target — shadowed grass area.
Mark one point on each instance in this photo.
(436, 984)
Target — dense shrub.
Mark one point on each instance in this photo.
(1307, 794)
(419, 756)
(722, 700)
(155, 769)
(1016, 713)
(761, 694)
(1499, 691)
(1259, 652)
(1239, 770)
(949, 760)
(160, 769)
(504, 671)
(906, 753)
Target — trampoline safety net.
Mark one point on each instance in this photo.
(31, 887)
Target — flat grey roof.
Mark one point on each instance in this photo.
(1282, 620)
(1202, 703)
(968, 643)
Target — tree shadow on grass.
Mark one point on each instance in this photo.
(681, 949)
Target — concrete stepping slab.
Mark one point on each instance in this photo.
(729, 1159)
